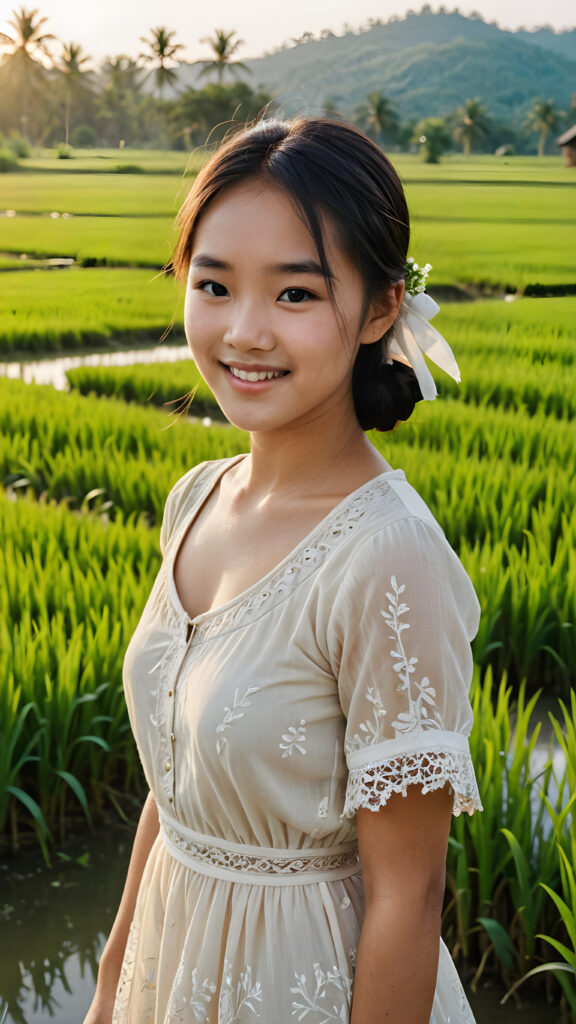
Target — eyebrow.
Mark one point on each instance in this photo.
(205, 260)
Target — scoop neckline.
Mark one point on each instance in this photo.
(245, 595)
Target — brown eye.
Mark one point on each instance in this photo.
(295, 295)
(213, 288)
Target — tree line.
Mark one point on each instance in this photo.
(49, 95)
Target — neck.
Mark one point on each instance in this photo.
(313, 458)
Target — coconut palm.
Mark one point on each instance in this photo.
(471, 124)
(119, 100)
(544, 118)
(223, 46)
(23, 77)
(76, 79)
(29, 38)
(377, 116)
(162, 49)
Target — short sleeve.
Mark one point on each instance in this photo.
(399, 643)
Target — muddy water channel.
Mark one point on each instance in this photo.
(53, 926)
(52, 370)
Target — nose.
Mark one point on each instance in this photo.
(249, 329)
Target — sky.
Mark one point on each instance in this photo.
(110, 27)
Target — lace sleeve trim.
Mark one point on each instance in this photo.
(372, 785)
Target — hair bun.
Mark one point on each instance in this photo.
(384, 393)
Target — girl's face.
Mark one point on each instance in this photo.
(259, 319)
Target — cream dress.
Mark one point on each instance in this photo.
(263, 725)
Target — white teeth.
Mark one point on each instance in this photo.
(254, 375)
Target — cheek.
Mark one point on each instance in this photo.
(327, 340)
(199, 325)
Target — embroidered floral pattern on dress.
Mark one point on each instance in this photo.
(119, 1015)
(235, 997)
(325, 999)
(195, 998)
(128, 978)
(323, 807)
(420, 695)
(370, 731)
(294, 739)
(239, 707)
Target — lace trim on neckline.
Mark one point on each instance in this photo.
(372, 785)
(340, 523)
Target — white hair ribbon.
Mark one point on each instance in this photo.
(413, 335)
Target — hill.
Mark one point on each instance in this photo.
(427, 63)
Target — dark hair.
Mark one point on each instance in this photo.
(332, 167)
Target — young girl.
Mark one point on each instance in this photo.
(298, 683)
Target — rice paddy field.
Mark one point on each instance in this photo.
(85, 475)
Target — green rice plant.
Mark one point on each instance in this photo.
(567, 911)
(497, 859)
(565, 733)
(51, 310)
(503, 256)
(73, 588)
(524, 388)
(176, 384)
(17, 744)
(564, 970)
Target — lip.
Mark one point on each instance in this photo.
(253, 386)
(254, 367)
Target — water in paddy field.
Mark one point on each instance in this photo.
(52, 370)
(54, 922)
(53, 926)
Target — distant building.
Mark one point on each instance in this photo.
(568, 143)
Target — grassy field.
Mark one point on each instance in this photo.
(105, 161)
(91, 195)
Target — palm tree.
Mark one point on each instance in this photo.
(162, 49)
(29, 38)
(377, 116)
(22, 76)
(119, 100)
(223, 46)
(75, 78)
(544, 118)
(471, 124)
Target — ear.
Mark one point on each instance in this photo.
(382, 313)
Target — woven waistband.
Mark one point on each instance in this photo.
(256, 865)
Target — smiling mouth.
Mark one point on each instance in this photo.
(254, 376)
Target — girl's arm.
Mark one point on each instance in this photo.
(403, 853)
(102, 1006)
